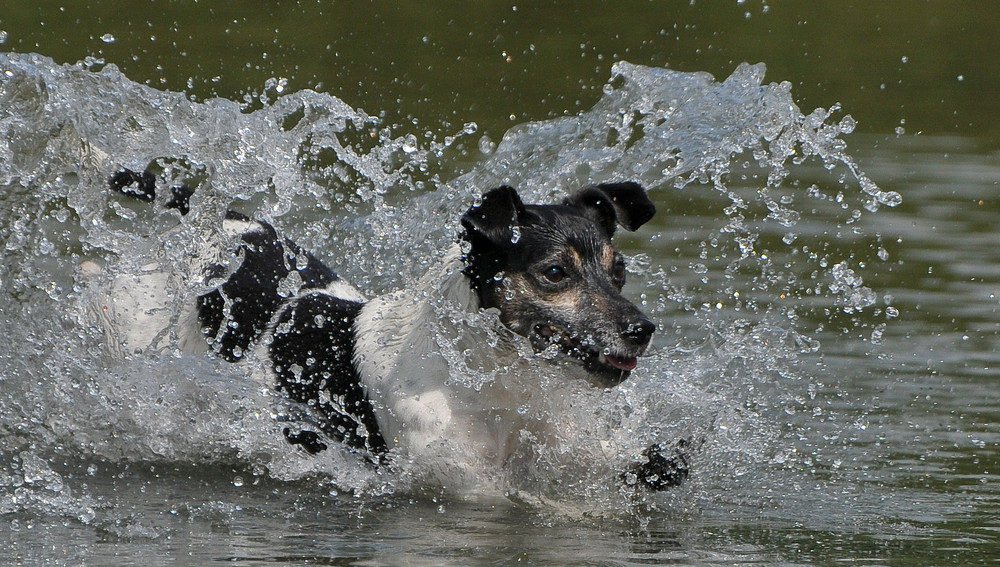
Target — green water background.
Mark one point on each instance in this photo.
(928, 66)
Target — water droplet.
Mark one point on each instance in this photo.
(237, 481)
(410, 143)
(877, 334)
(486, 145)
(890, 198)
(108, 38)
(847, 124)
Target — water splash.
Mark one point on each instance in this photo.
(382, 206)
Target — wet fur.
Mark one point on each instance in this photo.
(373, 373)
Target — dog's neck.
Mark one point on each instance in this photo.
(452, 282)
(419, 324)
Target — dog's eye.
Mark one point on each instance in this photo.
(618, 271)
(554, 274)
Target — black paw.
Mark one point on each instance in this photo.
(309, 440)
(663, 468)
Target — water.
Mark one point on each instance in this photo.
(827, 344)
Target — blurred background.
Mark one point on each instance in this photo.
(929, 67)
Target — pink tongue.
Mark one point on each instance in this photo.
(626, 364)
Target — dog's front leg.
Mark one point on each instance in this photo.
(662, 468)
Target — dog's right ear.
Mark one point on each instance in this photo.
(495, 217)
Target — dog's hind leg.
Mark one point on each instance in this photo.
(276, 287)
(312, 352)
(270, 270)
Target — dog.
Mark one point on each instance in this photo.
(374, 375)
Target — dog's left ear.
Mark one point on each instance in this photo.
(624, 204)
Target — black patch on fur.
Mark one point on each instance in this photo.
(488, 230)
(312, 351)
(309, 440)
(236, 313)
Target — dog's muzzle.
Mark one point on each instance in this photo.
(607, 367)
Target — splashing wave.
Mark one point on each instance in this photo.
(383, 204)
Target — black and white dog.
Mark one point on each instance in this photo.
(374, 374)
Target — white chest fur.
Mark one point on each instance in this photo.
(443, 375)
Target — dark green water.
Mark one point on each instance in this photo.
(931, 64)
(883, 448)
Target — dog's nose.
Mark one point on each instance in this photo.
(639, 332)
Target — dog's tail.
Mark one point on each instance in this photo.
(142, 186)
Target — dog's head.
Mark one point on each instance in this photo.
(554, 276)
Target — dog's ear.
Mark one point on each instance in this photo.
(495, 216)
(624, 204)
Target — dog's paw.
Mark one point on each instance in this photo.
(662, 467)
(309, 440)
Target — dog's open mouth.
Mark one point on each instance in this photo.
(607, 369)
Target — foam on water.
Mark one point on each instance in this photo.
(380, 205)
